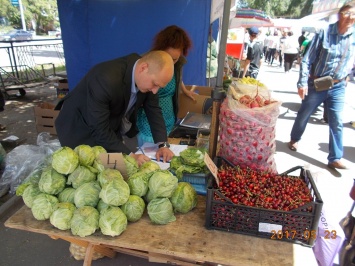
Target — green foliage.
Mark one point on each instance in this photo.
(42, 13)
(280, 8)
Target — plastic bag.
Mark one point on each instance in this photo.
(247, 136)
(24, 159)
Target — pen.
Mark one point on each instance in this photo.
(139, 148)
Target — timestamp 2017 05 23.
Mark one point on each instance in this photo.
(306, 234)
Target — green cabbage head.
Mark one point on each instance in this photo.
(65, 160)
(67, 195)
(62, 216)
(98, 150)
(193, 156)
(184, 198)
(133, 208)
(86, 154)
(149, 166)
(107, 175)
(87, 194)
(81, 175)
(98, 165)
(85, 221)
(131, 164)
(30, 192)
(112, 221)
(43, 206)
(101, 205)
(51, 182)
(115, 192)
(160, 211)
(138, 183)
(162, 184)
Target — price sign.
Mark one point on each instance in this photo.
(212, 167)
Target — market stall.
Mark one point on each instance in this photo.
(184, 242)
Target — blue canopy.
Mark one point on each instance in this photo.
(98, 30)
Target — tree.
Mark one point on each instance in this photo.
(280, 8)
(40, 15)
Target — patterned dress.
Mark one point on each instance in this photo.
(166, 96)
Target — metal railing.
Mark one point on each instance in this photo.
(25, 63)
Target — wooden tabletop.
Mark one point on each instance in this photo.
(185, 238)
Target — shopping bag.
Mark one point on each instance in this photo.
(329, 240)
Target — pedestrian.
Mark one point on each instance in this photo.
(290, 50)
(176, 42)
(331, 53)
(274, 43)
(254, 54)
(301, 39)
(282, 40)
(266, 50)
(102, 109)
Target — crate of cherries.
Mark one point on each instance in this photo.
(274, 206)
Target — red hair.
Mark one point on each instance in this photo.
(172, 37)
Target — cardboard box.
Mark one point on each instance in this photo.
(61, 84)
(202, 105)
(45, 116)
(114, 161)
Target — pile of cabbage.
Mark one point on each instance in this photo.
(74, 191)
(190, 161)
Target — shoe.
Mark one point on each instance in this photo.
(337, 165)
(292, 145)
(2, 128)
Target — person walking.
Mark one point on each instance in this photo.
(331, 53)
(282, 40)
(274, 43)
(254, 54)
(102, 109)
(290, 50)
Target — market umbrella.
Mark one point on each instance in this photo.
(247, 17)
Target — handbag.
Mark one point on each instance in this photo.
(347, 250)
(323, 83)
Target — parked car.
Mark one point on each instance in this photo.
(17, 35)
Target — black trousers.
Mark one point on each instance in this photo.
(289, 59)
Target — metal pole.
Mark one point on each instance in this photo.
(218, 93)
(22, 15)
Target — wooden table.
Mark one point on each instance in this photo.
(183, 242)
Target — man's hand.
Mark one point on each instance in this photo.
(302, 92)
(140, 158)
(164, 153)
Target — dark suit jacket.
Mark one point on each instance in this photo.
(92, 112)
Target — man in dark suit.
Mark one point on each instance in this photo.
(102, 108)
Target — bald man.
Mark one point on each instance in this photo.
(102, 108)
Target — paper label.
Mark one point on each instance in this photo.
(268, 228)
(212, 167)
(114, 161)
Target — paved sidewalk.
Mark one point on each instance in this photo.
(334, 186)
(25, 248)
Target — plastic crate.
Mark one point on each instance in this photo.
(295, 226)
(198, 181)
